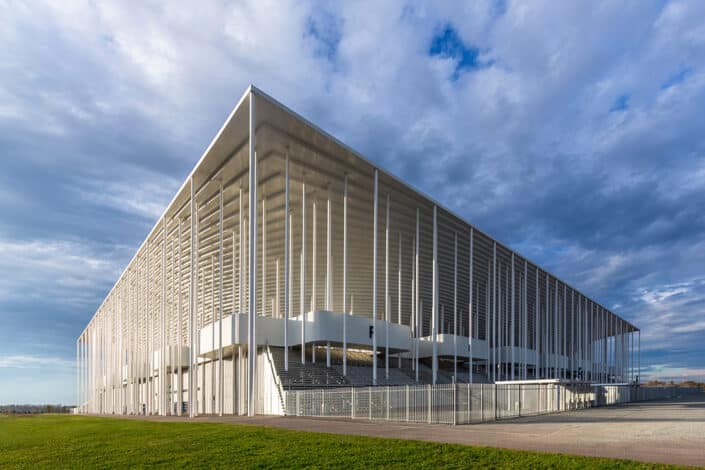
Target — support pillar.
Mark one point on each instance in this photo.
(286, 264)
(252, 281)
(374, 280)
(434, 301)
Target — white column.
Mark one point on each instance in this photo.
(470, 305)
(252, 281)
(221, 388)
(345, 275)
(455, 306)
(494, 312)
(639, 357)
(241, 378)
(417, 310)
(162, 353)
(329, 270)
(302, 299)
(329, 261)
(557, 330)
(374, 280)
(511, 320)
(276, 313)
(314, 262)
(264, 257)
(537, 323)
(547, 343)
(387, 313)
(434, 301)
(78, 375)
(235, 330)
(525, 321)
(179, 378)
(286, 264)
(314, 278)
(564, 348)
(399, 294)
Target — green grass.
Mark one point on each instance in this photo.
(56, 441)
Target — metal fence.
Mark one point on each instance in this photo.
(464, 403)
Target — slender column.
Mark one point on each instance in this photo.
(556, 336)
(537, 326)
(434, 302)
(581, 337)
(314, 265)
(488, 314)
(500, 325)
(586, 314)
(374, 280)
(638, 377)
(221, 388)
(563, 339)
(264, 256)
(329, 270)
(399, 294)
(235, 330)
(252, 281)
(605, 346)
(329, 261)
(511, 322)
(494, 312)
(455, 306)
(287, 266)
(302, 300)
(470, 304)
(179, 377)
(548, 344)
(314, 262)
(417, 310)
(387, 306)
(240, 300)
(276, 313)
(525, 322)
(212, 395)
(572, 335)
(345, 275)
(162, 353)
(78, 374)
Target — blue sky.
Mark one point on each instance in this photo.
(573, 131)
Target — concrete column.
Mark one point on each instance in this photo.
(471, 331)
(345, 275)
(252, 281)
(374, 279)
(434, 302)
(286, 263)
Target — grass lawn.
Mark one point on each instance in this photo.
(59, 441)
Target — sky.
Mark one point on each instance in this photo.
(571, 131)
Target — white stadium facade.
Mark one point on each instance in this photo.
(287, 261)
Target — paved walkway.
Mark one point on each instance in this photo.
(670, 431)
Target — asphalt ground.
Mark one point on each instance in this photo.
(668, 431)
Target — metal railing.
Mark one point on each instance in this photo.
(464, 403)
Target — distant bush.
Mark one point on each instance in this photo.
(34, 409)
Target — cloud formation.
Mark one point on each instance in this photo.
(571, 131)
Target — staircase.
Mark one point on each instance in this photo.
(305, 376)
(359, 371)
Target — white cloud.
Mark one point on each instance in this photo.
(65, 272)
(144, 195)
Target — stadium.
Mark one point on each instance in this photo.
(288, 262)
